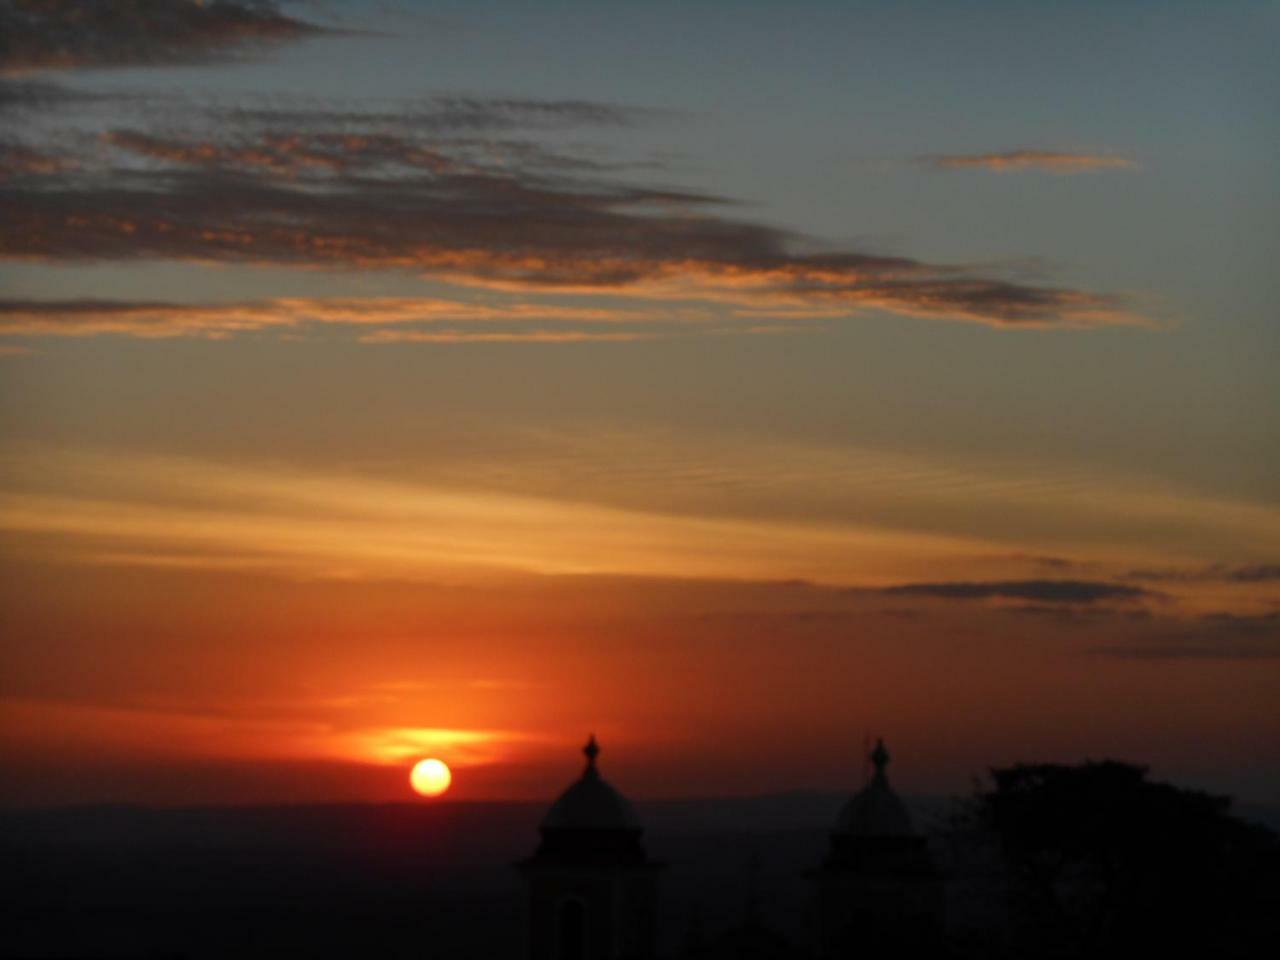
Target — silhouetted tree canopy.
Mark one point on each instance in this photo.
(1100, 860)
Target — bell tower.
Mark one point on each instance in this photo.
(879, 893)
(592, 889)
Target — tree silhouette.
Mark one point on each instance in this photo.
(1102, 861)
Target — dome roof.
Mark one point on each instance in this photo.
(591, 803)
(876, 811)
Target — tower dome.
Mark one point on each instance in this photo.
(591, 802)
(876, 810)
(879, 893)
(593, 891)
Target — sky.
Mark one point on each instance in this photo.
(734, 381)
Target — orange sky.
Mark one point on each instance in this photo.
(331, 687)
(386, 391)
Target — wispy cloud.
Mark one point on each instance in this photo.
(1215, 636)
(1249, 573)
(1015, 161)
(519, 321)
(322, 153)
(513, 231)
(64, 34)
(610, 505)
(436, 115)
(395, 187)
(331, 524)
(288, 154)
(1038, 591)
(25, 95)
(505, 336)
(17, 160)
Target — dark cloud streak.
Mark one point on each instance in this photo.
(1214, 636)
(288, 154)
(1038, 591)
(445, 114)
(1218, 572)
(18, 160)
(317, 153)
(27, 95)
(345, 189)
(517, 228)
(65, 34)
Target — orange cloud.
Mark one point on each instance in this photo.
(1018, 160)
(435, 209)
(515, 336)
(84, 318)
(396, 202)
(482, 231)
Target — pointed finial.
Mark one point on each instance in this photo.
(880, 757)
(591, 751)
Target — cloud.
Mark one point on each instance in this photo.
(441, 114)
(287, 154)
(1049, 562)
(27, 95)
(65, 34)
(505, 336)
(347, 525)
(212, 320)
(325, 153)
(535, 335)
(1214, 636)
(1039, 591)
(1216, 572)
(605, 505)
(1254, 573)
(1196, 649)
(1015, 161)
(19, 160)
(482, 212)
(515, 230)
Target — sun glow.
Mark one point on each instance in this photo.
(396, 745)
(430, 777)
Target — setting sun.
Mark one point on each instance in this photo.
(430, 777)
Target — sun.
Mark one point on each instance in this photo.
(430, 777)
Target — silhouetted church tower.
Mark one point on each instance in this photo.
(878, 890)
(592, 887)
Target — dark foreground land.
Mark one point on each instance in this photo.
(421, 880)
(411, 880)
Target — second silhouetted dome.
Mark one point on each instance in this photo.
(876, 811)
(591, 803)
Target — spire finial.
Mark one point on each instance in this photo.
(880, 757)
(591, 751)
